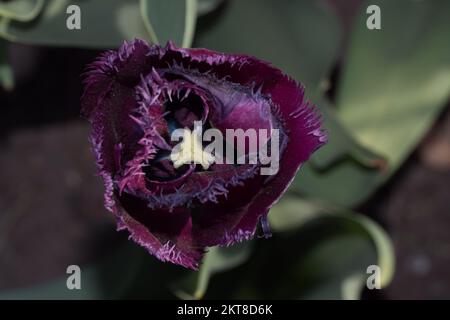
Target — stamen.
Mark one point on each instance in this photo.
(190, 150)
(265, 227)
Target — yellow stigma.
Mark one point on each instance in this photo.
(190, 150)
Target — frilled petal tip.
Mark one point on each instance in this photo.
(128, 95)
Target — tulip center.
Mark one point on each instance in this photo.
(190, 150)
(184, 111)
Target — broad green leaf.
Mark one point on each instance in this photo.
(6, 72)
(290, 213)
(301, 37)
(326, 258)
(347, 183)
(104, 24)
(107, 279)
(21, 10)
(341, 145)
(326, 269)
(336, 266)
(293, 212)
(396, 80)
(170, 20)
(342, 172)
(217, 259)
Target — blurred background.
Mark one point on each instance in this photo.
(377, 194)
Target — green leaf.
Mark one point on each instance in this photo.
(347, 183)
(170, 20)
(207, 6)
(21, 10)
(341, 145)
(217, 259)
(336, 264)
(325, 258)
(290, 213)
(326, 175)
(383, 246)
(293, 212)
(392, 89)
(396, 80)
(104, 24)
(301, 37)
(6, 72)
(107, 279)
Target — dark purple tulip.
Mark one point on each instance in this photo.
(136, 96)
